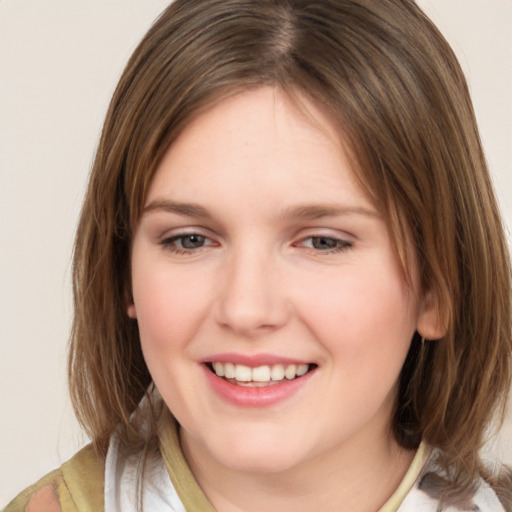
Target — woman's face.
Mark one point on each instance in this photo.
(272, 312)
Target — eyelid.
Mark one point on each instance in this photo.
(169, 241)
(182, 231)
(325, 231)
(343, 241)
(179, 236)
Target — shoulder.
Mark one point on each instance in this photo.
(76, 486)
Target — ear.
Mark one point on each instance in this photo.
(131, 311)
(432, 323)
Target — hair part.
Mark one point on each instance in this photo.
(390, 82)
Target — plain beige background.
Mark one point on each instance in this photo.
(59, 62)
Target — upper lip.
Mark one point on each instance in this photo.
(253, 360)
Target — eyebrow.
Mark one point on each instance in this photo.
(305, 212)
(318, 211)
(187, 209)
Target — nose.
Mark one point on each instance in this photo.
(252, 294)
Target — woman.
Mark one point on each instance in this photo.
(290, 232)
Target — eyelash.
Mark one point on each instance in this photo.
(169, 244)
(340, 245)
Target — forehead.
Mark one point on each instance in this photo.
(259, 138)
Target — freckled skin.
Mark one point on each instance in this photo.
(260, 281)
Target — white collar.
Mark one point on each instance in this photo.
(122, 486)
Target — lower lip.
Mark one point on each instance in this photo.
(245, 396)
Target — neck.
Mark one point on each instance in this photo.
(359, 476)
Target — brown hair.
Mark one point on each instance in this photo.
(388, 78)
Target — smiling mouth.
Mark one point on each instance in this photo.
(259, 376)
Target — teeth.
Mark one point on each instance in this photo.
(243, 373)
(275, 373)
(219, 369)
(261, 374)
(229, 371)
(290, 371)
(302, 369)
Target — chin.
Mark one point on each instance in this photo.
(275, 463)
(258, 457)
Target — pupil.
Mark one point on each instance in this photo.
(322, 242)
(192, 241)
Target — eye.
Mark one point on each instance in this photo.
(325, 244)
(186, 243)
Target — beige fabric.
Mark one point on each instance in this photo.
(182, 478)
(77, 484)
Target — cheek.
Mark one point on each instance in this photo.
(362, 314)
(365, 327)
(169, 305)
